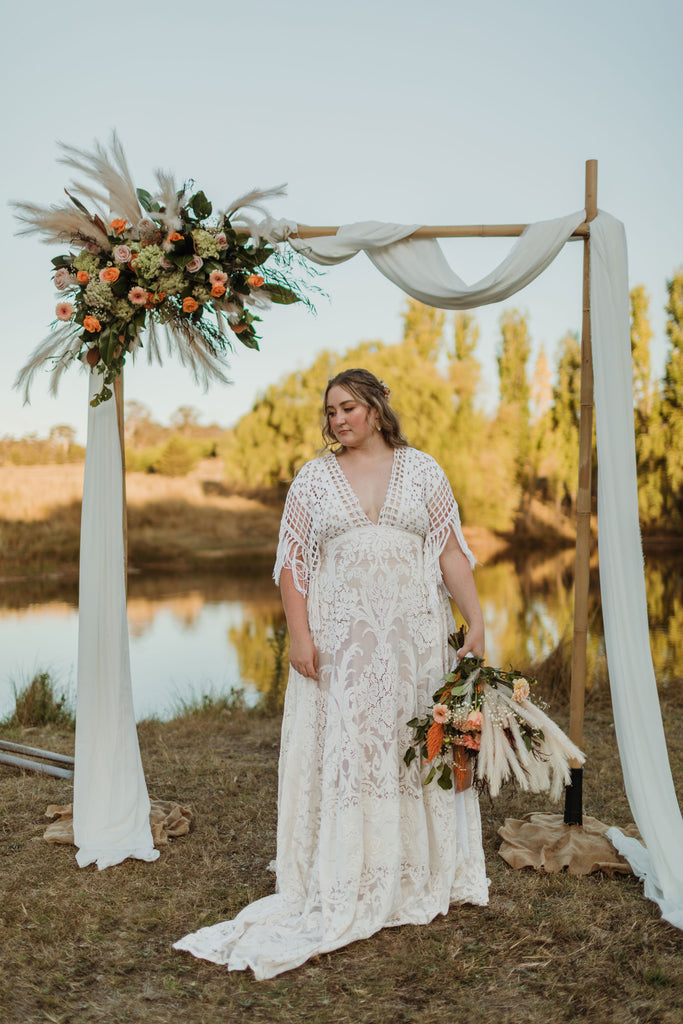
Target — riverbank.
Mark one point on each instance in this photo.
(197, 524)
(84, 946)
(175, 525)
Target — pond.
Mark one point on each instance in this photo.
(197, 635)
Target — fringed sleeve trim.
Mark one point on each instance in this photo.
(444, 518)
(297, 549)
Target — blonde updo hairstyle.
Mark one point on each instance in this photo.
(373, 393)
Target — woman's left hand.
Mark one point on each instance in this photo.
(474, 645)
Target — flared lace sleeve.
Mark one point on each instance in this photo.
(297, 548)
(444, 518)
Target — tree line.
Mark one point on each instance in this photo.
(502, 463)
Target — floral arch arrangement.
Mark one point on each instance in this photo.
(143, 261)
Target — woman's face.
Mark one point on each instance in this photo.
(352, 422)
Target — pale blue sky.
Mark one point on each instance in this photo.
(438, 112)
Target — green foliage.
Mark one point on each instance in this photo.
(37, 704)
(513, 419)
(647, 413)
(178, 457)
(672, 402)
(283, 430)
(566, 411)
(32, 450)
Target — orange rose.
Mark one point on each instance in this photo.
(110, 274)
(174, 237)
(218, 290)
(82, 277)
(190, 304)
(118, 225)
(238, 328)
(132, 263)
(92, 324)
(254, 280)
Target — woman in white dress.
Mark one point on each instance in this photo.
(370, 543)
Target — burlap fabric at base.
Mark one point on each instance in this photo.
(544, 842)
(167, 820)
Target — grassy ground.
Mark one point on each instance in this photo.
(81, 946)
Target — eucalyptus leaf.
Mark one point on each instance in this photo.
(445, 780)
(432, 773)
(279, 294)
(409, 756)
(249, 340)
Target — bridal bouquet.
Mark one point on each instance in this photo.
(151, 260)
(484, 727)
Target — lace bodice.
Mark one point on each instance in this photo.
(321, 505)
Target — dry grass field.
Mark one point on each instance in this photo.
(173, 523)
(80, 947)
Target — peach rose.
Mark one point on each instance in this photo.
(122, 254)
(471, 742)
(62, 279)
(254, 280)
(195, 264)
(520, 690)
(190, 304)
(218, 290)
(440, 713)
(473, 721)
(221, 240)
(64, 310)
(92, 324)
(82, 276)
(118, 225)
(93, 248)
(110, 274)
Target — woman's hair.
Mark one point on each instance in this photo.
(370, 391)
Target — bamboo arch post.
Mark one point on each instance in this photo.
(120, 421)
(573, 806)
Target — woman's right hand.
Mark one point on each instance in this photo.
(303, 656)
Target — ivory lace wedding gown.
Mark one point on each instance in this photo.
(361, 843)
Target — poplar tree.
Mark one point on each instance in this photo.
(564, 469)
(513, 418)
(541, 444)
(647, 413)
(672, 401)
(464, 369)
(423, 330)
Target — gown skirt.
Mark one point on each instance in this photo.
(362, 844)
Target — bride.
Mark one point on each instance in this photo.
(370, 546)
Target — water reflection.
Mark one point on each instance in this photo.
(194, 635)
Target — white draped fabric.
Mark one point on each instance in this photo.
(111, 806)
(637, 717)
(419, 267)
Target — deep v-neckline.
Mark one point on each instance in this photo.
(356, 500)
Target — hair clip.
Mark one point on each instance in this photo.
(385, 388)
